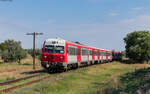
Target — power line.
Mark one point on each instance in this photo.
(34, 34)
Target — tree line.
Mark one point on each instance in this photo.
(12, 51)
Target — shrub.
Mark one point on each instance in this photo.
(138, 45)
(12, 51)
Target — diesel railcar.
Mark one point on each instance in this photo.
(62, 54)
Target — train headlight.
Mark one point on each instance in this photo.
(45, 56)
(61, 57)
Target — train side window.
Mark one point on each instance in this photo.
(104, 54)
(70, 51)
(93, 53)
(100, 53)
(90, 52)
(75, 51)
(67, 50)
(84, 51)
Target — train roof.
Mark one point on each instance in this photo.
(62, 40)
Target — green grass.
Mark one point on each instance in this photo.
(131, 81)
(110, 78)
(7, 79)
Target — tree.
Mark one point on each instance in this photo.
(38, 52)
(138, 45)
(12, 51)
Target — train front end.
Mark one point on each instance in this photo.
(53, 54)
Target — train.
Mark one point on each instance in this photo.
(60, 54)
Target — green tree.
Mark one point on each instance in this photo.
(138, 45)
(2, 46)
(38, 52)
(12, 51)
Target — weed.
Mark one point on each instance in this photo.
(10, 78)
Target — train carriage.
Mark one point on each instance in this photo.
(58, 53)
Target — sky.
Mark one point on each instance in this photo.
(97, 23)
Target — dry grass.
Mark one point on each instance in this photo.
(15, 70)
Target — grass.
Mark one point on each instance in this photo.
(15, 70)
(130, 82)
(7, 79)
(109, 78)
(22, 81)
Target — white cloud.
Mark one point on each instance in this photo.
(137, 8)
(113, 14)
(138, 20)
(51, 21)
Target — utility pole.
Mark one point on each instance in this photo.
(34, 54)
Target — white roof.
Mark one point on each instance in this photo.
(62, 42)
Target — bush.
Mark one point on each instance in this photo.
(138, 45)
(12, 51)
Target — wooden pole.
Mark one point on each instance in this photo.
(34, 50)
(34, 54)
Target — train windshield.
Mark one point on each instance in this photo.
(54, 49)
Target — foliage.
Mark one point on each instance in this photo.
(133, 81)
(38, 52)
(2, 46)
(12, 51)
(123, 54)
(138, 45)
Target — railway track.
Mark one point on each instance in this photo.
(20, 79)
(6, 90)
(7, 83)
(41, 76)
(12, 85)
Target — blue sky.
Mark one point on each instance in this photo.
(98, 23)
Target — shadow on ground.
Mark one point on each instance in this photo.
(128, 61)
(35, 72)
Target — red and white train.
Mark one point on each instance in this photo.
(61, 54)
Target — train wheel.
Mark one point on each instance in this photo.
(50, 70)
(65, 69)
(76, 65)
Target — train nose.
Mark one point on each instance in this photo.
(53, 58)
